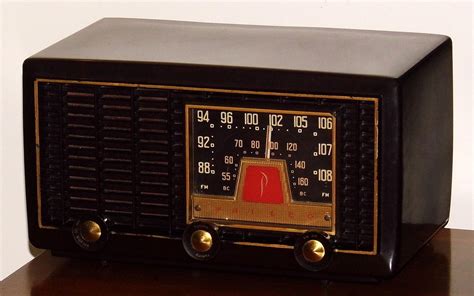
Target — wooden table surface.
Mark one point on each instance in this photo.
(444, 267)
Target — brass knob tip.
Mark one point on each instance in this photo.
(313, 251)
(201, 241)
(90, 231)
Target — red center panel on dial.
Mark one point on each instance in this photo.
(262, 184)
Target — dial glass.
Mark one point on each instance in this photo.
(263, 160)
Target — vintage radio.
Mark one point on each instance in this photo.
(305, 151)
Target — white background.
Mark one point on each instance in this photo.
(28, 27)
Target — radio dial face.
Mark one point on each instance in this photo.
(261, 166)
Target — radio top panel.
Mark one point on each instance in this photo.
(321, 50)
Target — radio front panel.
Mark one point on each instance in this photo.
(263, 167)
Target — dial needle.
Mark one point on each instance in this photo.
(268, 141)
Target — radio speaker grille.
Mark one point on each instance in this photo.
(106, 150)
(356, 194)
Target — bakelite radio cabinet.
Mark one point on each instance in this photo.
(302, 151)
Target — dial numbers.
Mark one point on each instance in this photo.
(220, 137)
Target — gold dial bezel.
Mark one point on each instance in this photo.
(234, 212)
